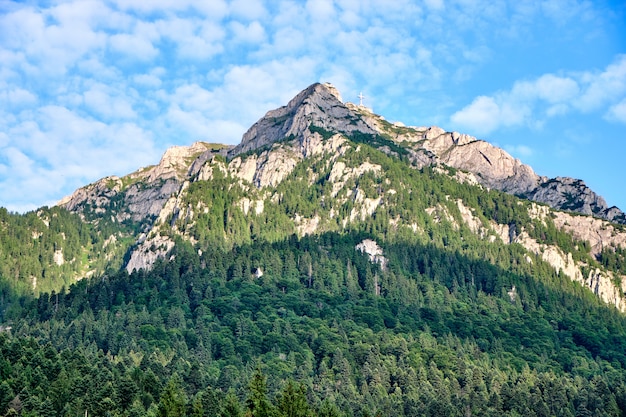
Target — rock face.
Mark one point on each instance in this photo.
(574, 195)
(373, 251)
(319, 105)
(599, 233)
(148, 251)
(142, 194)
(495, 168)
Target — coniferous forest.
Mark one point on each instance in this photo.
(247, 317)
(211, 335)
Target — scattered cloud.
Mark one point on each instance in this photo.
(252, 33)
(320, 9)
(486, 114)
(519, 151)
(248, 9)
(94, 87)
(434, 4)
(17, 97)
(133, 46)
(100, 101)
(617, 112)
(531, 102)
(600, 88)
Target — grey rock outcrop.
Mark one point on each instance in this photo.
(141, 195)
(574, 195)
(495, 168)
(319, 105)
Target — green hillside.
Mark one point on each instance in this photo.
(50, 248)
(442, 338)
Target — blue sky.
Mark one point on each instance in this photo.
(102, 87)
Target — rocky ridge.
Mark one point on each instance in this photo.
(320, 105)
(494, 168)
(143, 192)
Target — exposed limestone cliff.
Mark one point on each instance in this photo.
(494, 168)
(598, 232)
(148, 251)
(319, 105)
(144, 192)
(272, 166)
(373, 251)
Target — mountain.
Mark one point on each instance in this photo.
(315, 132)
(331, 264)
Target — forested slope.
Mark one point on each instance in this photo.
(442, 338)
(51, 248)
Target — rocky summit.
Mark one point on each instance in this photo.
(320, 107)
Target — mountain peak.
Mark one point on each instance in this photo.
(319, 105)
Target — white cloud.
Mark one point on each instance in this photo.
(555, 89)
(252, 33)
(486, 114)
(17, 97)
(531, 102)
(100, 100)
(195, 39)
(199, 128)
(604, 87)
(287, 40)
(51, 40)
(213, 9)
(321, 9)
(133, 46)
(194, 97)
(434, 4)
(351, 15)
(148, 80)
(18, 162)
(617, 112)
(248, 9)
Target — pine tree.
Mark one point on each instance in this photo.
(257, 402)
(172, 402)
(292, 401)
(231, 406)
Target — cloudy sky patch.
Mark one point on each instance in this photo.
(90, 88)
